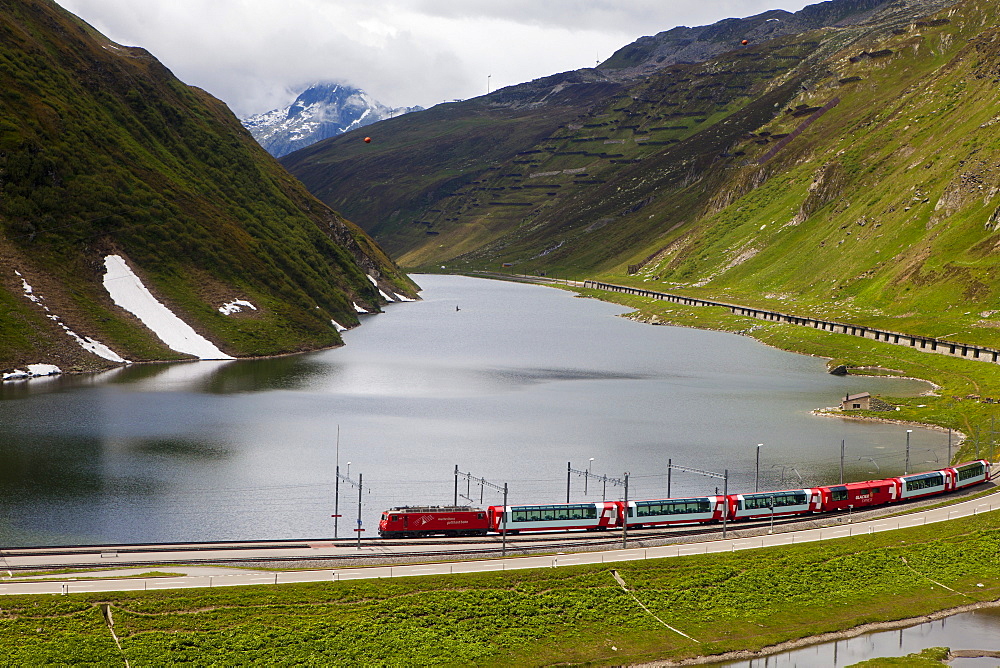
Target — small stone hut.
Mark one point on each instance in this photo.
(857, 402)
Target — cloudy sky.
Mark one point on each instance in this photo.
(256, 54)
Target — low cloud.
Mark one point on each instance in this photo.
(254, 54)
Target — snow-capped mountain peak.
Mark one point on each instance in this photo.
(324, 109)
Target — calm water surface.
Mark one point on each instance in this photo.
(512, 386)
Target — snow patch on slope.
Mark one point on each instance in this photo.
(90, 345)
(380, 290)
(128, 292)
(236, 306)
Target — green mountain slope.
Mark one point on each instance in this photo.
(103, 151)
(885, 208)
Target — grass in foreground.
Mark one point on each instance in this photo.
(735, 601)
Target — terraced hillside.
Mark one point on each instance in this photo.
(579, 198)
(103, 151)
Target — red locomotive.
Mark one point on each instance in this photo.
(421, 521)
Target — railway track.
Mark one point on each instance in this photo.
(375, 551)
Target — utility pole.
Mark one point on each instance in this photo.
(756, 475)
(770, 504)
(725, 501)
(625, 522)
(843, 443)
(359, 529)
(336, 502)
(669, 471)
(569, 469)
(336, 488)
(503, 552)
(906, 466)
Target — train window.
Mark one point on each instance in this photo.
(553, 513)
(971, 471)
(838, 493)
(680, 507)
(924, 481)
(777, 500)
(481, 516)
(649, 509)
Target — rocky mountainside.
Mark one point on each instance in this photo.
(695, 45)
(114, 173)
(323, 110)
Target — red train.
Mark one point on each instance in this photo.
(413, 522)
(421, 521)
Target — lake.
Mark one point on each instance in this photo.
(507, 381)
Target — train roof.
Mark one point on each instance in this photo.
(678, 499)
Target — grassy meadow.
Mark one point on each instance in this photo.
(571, 615)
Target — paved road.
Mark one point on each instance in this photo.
(220, 576)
